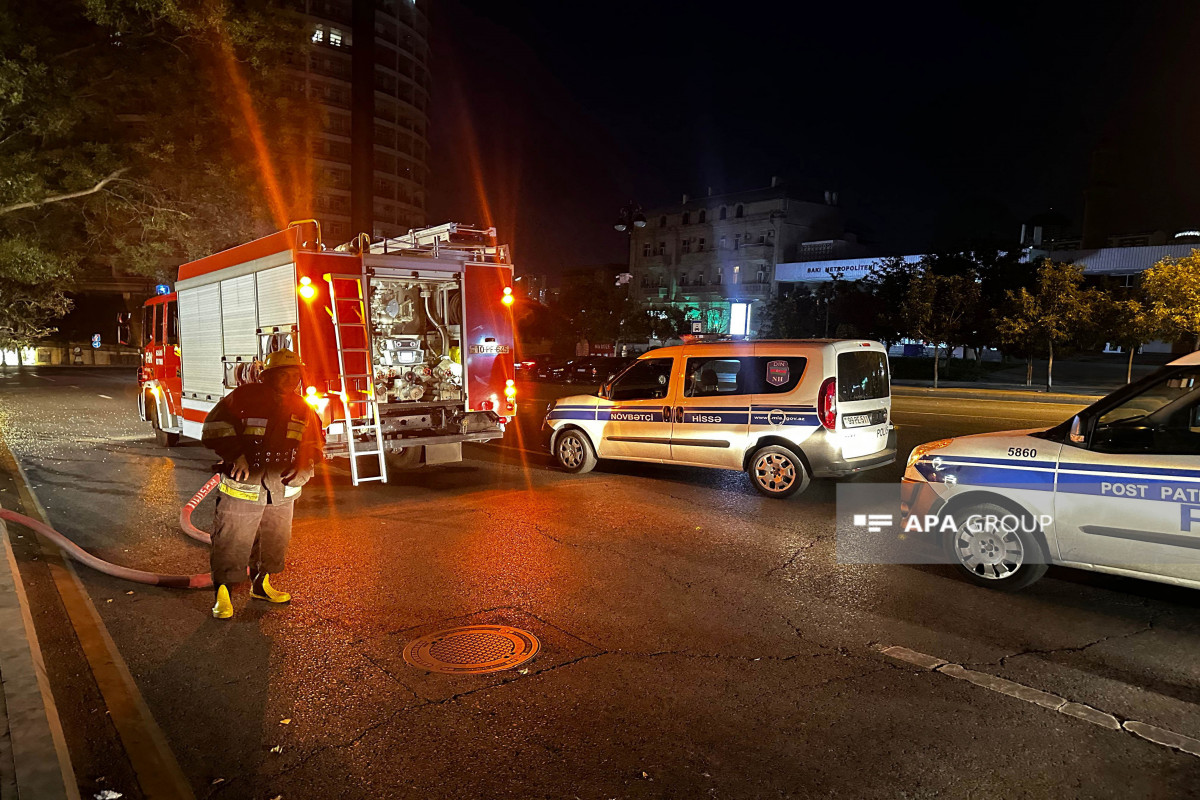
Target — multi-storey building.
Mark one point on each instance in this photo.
(368, 69)
(715, 256)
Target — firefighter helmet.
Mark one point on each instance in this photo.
(282, 358)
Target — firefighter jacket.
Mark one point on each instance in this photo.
(273, 432)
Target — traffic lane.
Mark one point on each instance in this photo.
(634, 564)
(666, 621)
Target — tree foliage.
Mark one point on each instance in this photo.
(127, 132)
(1057, 311)
(937, 308)
(1172, 290)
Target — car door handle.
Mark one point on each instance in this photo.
(679, 413)
(666, 413)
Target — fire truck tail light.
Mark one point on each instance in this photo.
(487, 405)
(827, 403)
(307, 290)
(508, 298)
(310, 391)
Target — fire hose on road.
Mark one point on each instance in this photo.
(200, 581)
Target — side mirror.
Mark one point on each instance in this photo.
(123, 322)
(1077, 436)
(603, 393)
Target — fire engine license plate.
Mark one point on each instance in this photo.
(488, 349)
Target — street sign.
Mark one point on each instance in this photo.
(95, 340)
(697, 326)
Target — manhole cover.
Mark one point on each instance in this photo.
(472, 650)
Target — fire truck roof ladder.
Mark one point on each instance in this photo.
(350, 326)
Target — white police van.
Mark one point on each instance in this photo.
(1115, 489)
(783, 411)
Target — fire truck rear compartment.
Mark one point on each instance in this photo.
(416, 342)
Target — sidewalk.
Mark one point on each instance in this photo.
(33, 755)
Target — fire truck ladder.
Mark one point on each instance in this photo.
(352, 335)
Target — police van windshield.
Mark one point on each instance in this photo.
(862, 375)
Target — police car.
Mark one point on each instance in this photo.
(783, 411)
(1115, 489)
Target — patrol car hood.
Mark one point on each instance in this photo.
(578, 400)
(975, 437)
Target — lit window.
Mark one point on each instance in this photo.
(739, 318)
(335, 39)
(318, 35)
(736, 272)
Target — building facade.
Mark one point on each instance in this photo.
(715, 256)
(369, 160)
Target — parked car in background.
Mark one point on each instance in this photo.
(528, 365)
(552, 369)
(594, 369)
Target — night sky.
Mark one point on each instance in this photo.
(935, 122)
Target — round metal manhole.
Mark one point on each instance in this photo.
(472, 650)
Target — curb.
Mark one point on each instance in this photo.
(36, 754)
(1011, 395)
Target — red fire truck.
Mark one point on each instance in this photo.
(407, 342)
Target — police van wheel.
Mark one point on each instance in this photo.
(996, 548)
(777, 472)
(574, 452)
(162, 437)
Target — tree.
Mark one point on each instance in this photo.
(936, 307)
(132, 133)
(1057, 311)
(887, 287)
(1172, 290)
(1126, 320)
(27, 314)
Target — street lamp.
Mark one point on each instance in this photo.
(631, 216)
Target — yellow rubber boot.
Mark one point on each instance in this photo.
(224, 606)
(263, 590)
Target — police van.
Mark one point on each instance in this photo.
(1115, 489)
(784, 412)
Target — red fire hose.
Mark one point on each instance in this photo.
(201, 581)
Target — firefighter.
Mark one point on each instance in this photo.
(269, 440)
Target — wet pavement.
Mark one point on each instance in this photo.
(697, 639)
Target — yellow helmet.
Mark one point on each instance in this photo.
(282, 358)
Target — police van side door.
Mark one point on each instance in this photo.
(635, 420)
(1130, 497)
(712, 411)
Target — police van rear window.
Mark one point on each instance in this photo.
(862, 375)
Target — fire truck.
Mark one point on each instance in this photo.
(407, 341)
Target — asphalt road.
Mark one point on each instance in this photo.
(698, 639)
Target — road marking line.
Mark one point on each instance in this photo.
(106, 397)
(1151, 733)
(158, 772)
(965, 416)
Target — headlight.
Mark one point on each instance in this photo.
(928, 447)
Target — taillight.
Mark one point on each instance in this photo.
(827, 403)
(507, 298)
